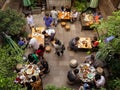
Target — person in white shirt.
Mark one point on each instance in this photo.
(33, 43)
(51, 33)
(74, 16)
(30, 21)
(99, 80)
(54, 15)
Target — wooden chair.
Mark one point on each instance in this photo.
(48, 48)
(63, 24)
(67, 27)
(73, 63)
(99, 70)
(19, 66)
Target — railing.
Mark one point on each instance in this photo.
(2, 3)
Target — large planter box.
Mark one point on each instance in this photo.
(36, 10)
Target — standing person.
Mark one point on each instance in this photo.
(59, 47)
(48, 20)
(40, 51)
(30, 20)
(54, 15)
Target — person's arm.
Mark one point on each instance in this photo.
(51, 21)
(44, 18)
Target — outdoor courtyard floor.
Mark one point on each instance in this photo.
(59, 66)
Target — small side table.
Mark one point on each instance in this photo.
(48, 48)
(73, 63)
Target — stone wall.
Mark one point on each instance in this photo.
(57, 3)
(115, 3)
(106, 7)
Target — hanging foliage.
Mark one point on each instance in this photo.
(8, 61)
(12, 22)
(110, 51)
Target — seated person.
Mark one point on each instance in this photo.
(50, 33)
(97, 16)
(73, 43)
(94, 62)
(74, 16)
(87, 86)
(40, 51)
(33, 43)
(37, 83)
(33, 58)
(28, 85)
(62, 8)
(99, 81)
(72, 75)
(95, 42)
(67, 9)
(21, 42)
(90, 59)
(45, 66)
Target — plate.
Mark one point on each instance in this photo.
(90, 76)
(29, 71)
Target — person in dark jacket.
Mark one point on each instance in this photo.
(73, 44)
(73, 75)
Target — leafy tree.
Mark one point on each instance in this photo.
(53, 87)
(111, 27)
(110, 51)
(8, 61)
(80, 5)
(12, 22)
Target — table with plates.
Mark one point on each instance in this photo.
(86, 72)
(37, 33)
(64, 15)
(84, 43)
(86, 21)
(27, 71)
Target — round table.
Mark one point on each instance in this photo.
(86, 72)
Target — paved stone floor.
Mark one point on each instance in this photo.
(59, 66)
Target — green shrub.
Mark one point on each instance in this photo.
(12, 22)
(53, 87)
